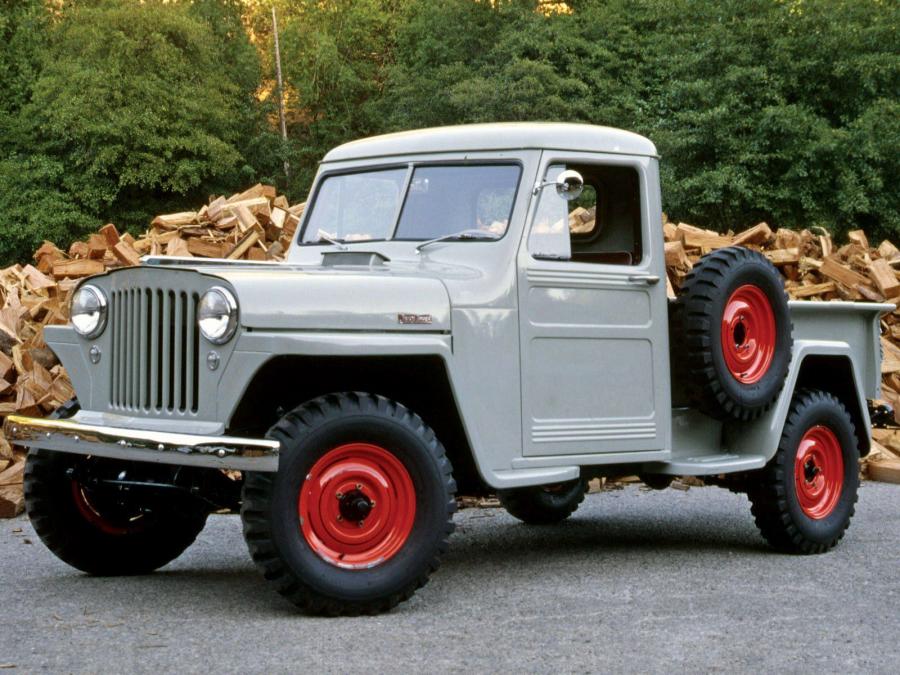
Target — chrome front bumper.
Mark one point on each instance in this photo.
(217, 452)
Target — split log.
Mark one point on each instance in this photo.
(887, 471)
(126, 253)
(110, 234)
(205, 249)
(884, 277)
(757, 235)
(243, 245)
(173, 220)
(12, 499)
(832, 269)
(77, 268)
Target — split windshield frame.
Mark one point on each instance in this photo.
(410, 170)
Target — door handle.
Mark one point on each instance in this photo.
(649, 279)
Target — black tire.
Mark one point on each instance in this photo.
(139, 547)
(775, 494)
(700, 357)
(544, 504)
(275, 535)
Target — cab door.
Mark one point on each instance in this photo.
(593, 314)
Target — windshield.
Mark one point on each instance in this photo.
(438, 201)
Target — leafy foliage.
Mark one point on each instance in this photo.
(761, 109)
(782, 110)
(133, 108)
(334, 58)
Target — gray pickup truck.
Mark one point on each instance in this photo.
(475, 308)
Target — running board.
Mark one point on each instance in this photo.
(707, 465)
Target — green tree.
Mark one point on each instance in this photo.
(762, 109)
(783, 110)
(335, 55)
(143, 107)
(22, 25)
(32, 205)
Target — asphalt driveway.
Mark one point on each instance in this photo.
(636, 581)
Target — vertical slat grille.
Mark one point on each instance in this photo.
(155, 351)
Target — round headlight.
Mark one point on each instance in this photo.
(88, 312)
(217, 315)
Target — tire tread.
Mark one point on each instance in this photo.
(768, 493)
(291, 430)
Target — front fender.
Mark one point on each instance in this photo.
(255, 348)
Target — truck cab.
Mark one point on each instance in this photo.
(482, 307)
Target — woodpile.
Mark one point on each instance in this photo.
(258, 224)
(815, 268)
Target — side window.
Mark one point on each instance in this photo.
(602, 226)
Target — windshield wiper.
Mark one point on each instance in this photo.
(324, 236)
(460, 236)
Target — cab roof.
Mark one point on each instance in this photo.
(497, 136)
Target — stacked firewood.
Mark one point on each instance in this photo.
(255, 224)
(258, 224)
(815, 268)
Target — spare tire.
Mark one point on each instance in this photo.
(731, 334)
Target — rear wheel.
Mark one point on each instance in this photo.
(359, 513)
(83, 514)
(544, 504)
(804, 499)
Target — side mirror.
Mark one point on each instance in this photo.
(569, 185)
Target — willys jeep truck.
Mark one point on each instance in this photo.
(468, 309)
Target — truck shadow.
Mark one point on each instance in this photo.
(619, 534)
(220, 575)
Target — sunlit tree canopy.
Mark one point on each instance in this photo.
(782, 110)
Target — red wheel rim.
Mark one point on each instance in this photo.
(357, 506)
(748, 334)
(93, 515)
(819, 472)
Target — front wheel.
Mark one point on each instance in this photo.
(805, 497)
(88, 513)
(82, 514)
(359, 513)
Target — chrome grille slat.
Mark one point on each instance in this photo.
(190, 399)
(178, 370)
(155, 345)
(137, 355)
(145, 341)
(165, 355)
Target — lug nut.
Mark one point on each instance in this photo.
(359, 486)
(360, 523)
(340, 495)
(340, 517)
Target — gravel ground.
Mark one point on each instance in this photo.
(635, 582)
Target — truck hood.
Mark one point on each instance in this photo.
(287, 297)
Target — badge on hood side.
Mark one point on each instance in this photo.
(414, 318)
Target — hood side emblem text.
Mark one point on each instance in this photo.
(414, 318)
